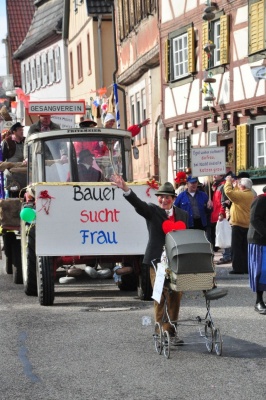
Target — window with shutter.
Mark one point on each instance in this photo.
(126, 18)
(131, 12)
(260, 146)
(51, 65)
(166, 60)
(44, 70)
(23, 77)
(191, 50)
(28, 77)
(241, 147)
(138, 110)
(79, 60)
(89, 53)
(33, 74)
(182, 151)
(145, 5)
(132, 109)
(213, 138)
(38, 72)
(71, 69)
(121, 25)
(256, 26)
(143, 131)
(216, 32)
(138, 10)
(224, 39)
(58, 73)
(132, 20)
(205, 40)
(148, 7)
(182, 53)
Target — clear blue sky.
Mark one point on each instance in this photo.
(3, 32)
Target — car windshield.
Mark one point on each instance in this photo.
(78, 159)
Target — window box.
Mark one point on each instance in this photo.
(255, 173)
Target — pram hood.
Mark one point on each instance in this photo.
(189, 252)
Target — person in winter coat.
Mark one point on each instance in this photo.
(12, 151)
(257, 250)
(155, 216)
(239, 219)
(217, 208)
(196, 203)
(43, 125)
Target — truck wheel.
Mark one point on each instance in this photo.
(145, 288)
(28, 259)
(16, 262)
(8, 239)
(45, 281)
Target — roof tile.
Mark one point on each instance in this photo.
(46, 21)
(99, 7)
(19, 17)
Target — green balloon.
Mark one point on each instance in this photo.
(28, 214)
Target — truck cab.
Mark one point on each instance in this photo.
(55, 156)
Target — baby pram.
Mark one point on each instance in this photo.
(188, 262)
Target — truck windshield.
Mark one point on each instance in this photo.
(79, 159)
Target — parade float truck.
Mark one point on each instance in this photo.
(66, 221)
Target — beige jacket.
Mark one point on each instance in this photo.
(241, 203)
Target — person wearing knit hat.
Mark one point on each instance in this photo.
(180, 180)
(181, 177)
(109, 122)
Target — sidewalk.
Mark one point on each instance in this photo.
(223, 270)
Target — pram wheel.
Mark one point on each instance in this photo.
(158, 338)
(218, 343)
(209, 336)
(166, 344)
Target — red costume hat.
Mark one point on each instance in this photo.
(181, 177)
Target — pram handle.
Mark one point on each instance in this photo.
(154, 262)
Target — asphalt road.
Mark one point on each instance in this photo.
(91, 345)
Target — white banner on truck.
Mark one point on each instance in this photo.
(73, 219)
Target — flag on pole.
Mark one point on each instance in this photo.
(117, 113)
